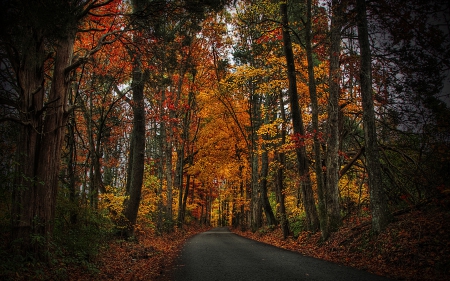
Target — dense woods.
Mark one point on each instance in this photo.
(124, 118)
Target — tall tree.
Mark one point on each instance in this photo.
(312, 220)
(332, 179)
(377, 197)
(136, 159)
(284, 223)
(270, 217)
(38, 46)
(315, 120)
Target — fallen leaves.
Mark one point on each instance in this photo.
(415, 246)
(152, 258)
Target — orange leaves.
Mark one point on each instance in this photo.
(98, 41)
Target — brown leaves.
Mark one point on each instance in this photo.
(416, 246)
(149, 259)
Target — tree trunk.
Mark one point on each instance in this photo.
(270, 217)
(71, 171)
(40, 145)
(185, 196)
(332, 193)
(181, 162)
(179, 183)
(256, 210)
(169, 180)
(312, 221)
(377, 198)
(136, 171)
(280, 174)
(315, 122)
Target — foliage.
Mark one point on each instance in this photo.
(81, 242)
(297, 224)
(215, 82)
(111, 205)
(74, 245)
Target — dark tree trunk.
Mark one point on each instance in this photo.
(315, 122)
(71, 172)
(255, 203)
(34, 199)
(185, 196)
(312, 221)
(377, 198)
(181, 162)
(280, 174)
(332, 182)
(270, 217)
(136, 161)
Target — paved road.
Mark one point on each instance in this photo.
(219, 254)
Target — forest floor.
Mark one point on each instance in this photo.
(415, 246)
(152, 258)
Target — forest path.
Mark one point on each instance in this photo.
(219, 254)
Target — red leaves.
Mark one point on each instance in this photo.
(300, 140)
(271, 36)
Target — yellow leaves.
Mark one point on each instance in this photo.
(271, 129)
(112, 202)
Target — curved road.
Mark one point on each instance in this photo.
(219, 254)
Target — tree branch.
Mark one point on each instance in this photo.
(101, 43)
(352, 162)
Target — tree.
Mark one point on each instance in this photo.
(315, 122)
(377, 197)
(332, 164)
(307, 192)
(280, 172)
(39, 52)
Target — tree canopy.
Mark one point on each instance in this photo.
(149, 114)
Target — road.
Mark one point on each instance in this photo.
(219, 254)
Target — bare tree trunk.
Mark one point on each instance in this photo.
(256, 210)
(169, 181)
(315, 122)
(377, 198)
(280, 174)
(185, 196)
(312, 220)
(136, 171)
(181, 162)
(332, 193)
(34, 199)
(71, 171)
(270, 217)
(179, 183)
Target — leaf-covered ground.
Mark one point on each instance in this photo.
(415, 246)
(152, 258)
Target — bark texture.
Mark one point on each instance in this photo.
(312, 220)
(377, 198)
(332, 180)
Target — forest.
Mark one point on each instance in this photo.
(128, 123)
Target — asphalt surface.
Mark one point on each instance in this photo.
(219, 254)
